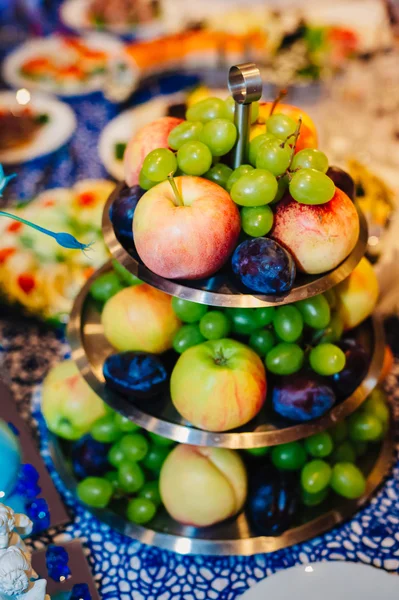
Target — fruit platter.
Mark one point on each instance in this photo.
(225, 363)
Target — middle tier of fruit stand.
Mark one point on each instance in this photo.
(90, 348)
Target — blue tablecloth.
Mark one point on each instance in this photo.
(123, 568)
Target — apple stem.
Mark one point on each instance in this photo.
(295, 135)
(277, 100)
(178, 196)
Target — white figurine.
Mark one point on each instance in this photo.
(16, 576)
(10, 521)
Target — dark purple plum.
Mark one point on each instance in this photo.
(272, 502)
(264, 266)
(137, 374)
(346, 381)
(89, 457)
(122, 211)
(302, 397)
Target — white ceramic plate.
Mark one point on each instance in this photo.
(74, 14)
(52, 46)
(52, 135)
(327, 581)
(122, 127)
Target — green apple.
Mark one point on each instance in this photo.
(69, 405)
(218, 385)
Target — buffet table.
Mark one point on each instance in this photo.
(124, 568)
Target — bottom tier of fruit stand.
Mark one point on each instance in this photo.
(234, 536)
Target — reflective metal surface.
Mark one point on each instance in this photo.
(234, 536)
(223, 289)
(90, 349)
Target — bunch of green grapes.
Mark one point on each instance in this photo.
(285, 337)
(201, 144)
(135, 460)
(327, 461)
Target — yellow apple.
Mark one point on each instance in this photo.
(357, 295)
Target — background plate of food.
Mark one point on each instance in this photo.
(32, 125)
(63, 65)
(140, 18)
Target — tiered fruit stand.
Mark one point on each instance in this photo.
(234, 536)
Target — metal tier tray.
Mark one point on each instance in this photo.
(234, 536)
(223, 289)
(90, 349)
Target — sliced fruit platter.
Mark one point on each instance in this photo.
(278, 228)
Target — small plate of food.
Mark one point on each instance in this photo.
(62, 65)
(140, 18)
(32, 125)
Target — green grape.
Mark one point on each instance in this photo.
(150, 491)
(284, 359)
(256, 221)
(256, 188)
(315, 311)
(124, 275)
(262, 341)
(219, 174)
(187, 131)
(288, 323)
(273, 157)
(158, 164)
(314, 499)
(187, 311)
(159, 440)
(360, 448)
(237, 174)
(125, 425)
(365, 427)
(207, 110)
(243, 320)
(144, 182)
(134, 446)
(105, 430)
(116, 456)
(230, 104)
(281, 189)
(155, 458)
(319, 445)
(112, 477)
(256, 143)
(310, 158)
(186, 337)
(315, 476)
(334, 329)
(327, 359)
(376, 405)
(131, 477)
(219, 135)
(339, 432)
(105, 286)
(309, 186)
(215, 325)
(258, 451)
(345, 452)
(281, 126)
(288, 457)
(264, 315)
(348, 481)
(194, 158)
(95, 491)
(140, 510)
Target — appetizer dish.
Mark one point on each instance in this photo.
(33, 127)
(63, 65)
(124, 17)
(35, 272)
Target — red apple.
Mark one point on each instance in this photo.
(190, 241)
(150, 137)
(218, 385)
(319, 237)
